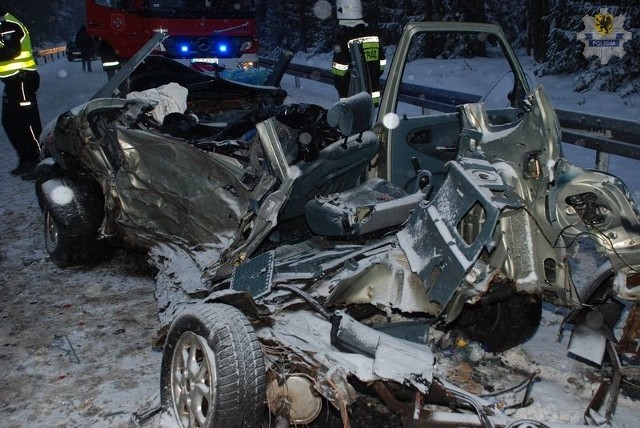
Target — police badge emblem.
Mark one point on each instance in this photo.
(604, 35)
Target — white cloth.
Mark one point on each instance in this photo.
(169, 98)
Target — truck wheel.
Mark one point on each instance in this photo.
(503, 324)
(213, 371)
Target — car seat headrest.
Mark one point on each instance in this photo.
(352, 115)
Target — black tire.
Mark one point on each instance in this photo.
(45, 170)
(503, 324)
(69, 249)
(220, 340)
(71, 232)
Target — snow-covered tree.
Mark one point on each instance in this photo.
(50, 22)
(295, 25)
(512, 17)
(565, 52)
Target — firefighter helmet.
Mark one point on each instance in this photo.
(349, 9)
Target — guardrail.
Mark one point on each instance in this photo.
(602, 134)
(51, 53)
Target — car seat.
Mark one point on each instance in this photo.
(342, 164)
(372, 206)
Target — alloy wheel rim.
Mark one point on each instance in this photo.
(193, 381)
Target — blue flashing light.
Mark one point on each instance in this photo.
(184, 48)
(222, 47)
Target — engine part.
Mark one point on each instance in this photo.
(295, 397)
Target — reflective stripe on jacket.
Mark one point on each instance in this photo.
(369, 40)
(372, 52)
(25, 59)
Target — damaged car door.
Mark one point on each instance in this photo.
(513, 127)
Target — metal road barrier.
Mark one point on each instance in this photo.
(50, 53)
(603, 134)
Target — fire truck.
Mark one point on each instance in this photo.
(221, 32)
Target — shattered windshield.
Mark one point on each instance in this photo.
(201, 8)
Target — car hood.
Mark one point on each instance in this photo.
(110, 88)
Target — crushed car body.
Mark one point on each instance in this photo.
(305, 255)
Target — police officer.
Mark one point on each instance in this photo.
(351, 28)
(20, 114)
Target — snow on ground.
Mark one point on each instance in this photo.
(76, 345)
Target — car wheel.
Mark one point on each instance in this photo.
(213, 372)
(501, 325)
(66, 249)
(45, 170)
(51, 234)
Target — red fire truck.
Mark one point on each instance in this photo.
(215, 31)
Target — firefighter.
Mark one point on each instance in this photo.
(110, 60)
(20, 114)
(351, 28)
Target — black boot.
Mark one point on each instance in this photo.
(24, 167)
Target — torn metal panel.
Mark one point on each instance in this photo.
(256, 226)
(312, 259)
(179, 275)
(395, 359)
(435, 247)
(587, 343)
(308, 336)
(376, 273)
(586, 201)
(369, 284)
(112, 85)
(169, 188)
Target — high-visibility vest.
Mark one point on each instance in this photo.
(25, 60)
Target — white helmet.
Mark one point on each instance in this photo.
(349, 9)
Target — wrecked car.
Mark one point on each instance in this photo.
(166, 151)
(305, 255)
(469, 220)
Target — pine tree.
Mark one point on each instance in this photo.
(512, 17)
(565, 52)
